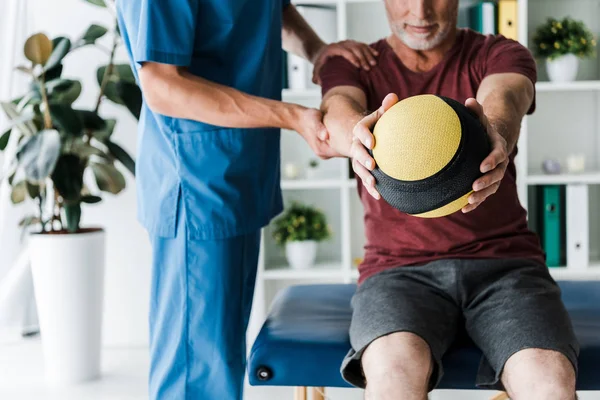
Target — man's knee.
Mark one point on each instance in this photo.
(539, 374)
(401, 357)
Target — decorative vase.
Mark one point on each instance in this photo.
(68, 279)
(301, 254)
(563, 68)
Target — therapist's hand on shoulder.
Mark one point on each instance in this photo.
(309, 124)
(362, 162)
(359, 54)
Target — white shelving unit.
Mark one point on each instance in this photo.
(567, 120)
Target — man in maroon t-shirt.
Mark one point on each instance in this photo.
(480, 269)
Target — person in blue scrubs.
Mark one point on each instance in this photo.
(208, 171)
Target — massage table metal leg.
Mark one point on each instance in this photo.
(300, 393)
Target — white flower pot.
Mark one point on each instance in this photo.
(563, 68)
(301, 255)
(68, 278)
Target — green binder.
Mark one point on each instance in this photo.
(483, 18)
(552, 219)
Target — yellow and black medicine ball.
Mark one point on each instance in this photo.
(428, 152)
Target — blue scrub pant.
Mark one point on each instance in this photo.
(201, 297)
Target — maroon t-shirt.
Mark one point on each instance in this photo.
(498, 227)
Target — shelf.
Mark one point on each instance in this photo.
(567, 86)
(320, 271)
(590, 178)
(591, 273)
(291, 184)
(301, 94)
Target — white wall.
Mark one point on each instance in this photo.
(128, 251)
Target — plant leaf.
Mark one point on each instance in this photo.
(19, 192)
(66, 119)
(33, 190)
(93, 33)
(91, 120)
(108, 177)
(119, 72)
(38, 154)
(99, 3)
(91, 199)
(4, 139)
(104, 134)
(33, 97)
(24, 69)
(85, 150)
(73, 216)
(64, 91)
(11, 112)
(29, 220)
(54, 73)
(61, 46)
(132, 97)
(38, 48)
(112, 93)
(120, 154)
(68, 177)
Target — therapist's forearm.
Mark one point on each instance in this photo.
(297, 35)
(177, 93)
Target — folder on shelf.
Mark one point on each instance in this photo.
(551, 223)
(483, 18)
(508, 19)
(577, 226)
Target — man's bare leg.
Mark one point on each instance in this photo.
(397, 366)
(533, 374)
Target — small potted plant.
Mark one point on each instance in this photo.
(313, 166)
(56, 144)
(562, 43)
(299, 229)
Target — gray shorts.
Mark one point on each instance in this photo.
(503, 305)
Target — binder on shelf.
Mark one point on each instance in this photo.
(483, 18)
(508, 19)
(577, 226)
(551, 223)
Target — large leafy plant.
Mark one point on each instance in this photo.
(58, 142)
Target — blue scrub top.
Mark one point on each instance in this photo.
(228, 179)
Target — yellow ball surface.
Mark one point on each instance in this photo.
(416, 138)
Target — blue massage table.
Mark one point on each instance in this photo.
(305, 338)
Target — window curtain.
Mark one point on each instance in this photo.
(17, 305)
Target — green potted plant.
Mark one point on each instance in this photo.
(299, 229)
(56, 143)
(313, 166)
(562, 43)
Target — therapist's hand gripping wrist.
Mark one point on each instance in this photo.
(308, 122)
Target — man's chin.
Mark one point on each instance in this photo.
(423, 42)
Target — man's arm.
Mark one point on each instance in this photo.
(350, 129)
(344, 107)
(502, 101)
(172, 91)
(505, 99)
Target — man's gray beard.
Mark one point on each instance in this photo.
(417, 44)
